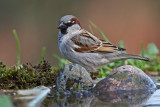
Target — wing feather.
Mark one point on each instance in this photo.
(87, 42)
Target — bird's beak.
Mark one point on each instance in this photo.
(61, 25)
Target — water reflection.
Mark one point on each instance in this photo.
(111, 99)
(121, 99)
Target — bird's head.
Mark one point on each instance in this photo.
(69, 24)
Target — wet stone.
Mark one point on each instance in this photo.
(73, 75)
(126, 78)
(121, 99)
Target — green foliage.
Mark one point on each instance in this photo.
(103, 72)
(27, 76)
(18, 47)
(153, 50)
(62, 62)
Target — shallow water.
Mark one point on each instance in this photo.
(139, 98)
(154, 100)
(112, 99)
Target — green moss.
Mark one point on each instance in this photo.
(121, 76)
(27, 76)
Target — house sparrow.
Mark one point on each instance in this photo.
(81, 47)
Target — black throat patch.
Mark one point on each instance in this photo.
(64, 30)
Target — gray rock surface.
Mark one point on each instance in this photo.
(121, 99)
(126, 78)
(73, 75)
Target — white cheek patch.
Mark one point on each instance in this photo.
(74, 28)
(76, 32)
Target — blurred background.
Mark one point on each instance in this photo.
(36, 21)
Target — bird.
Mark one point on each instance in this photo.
(81, 47)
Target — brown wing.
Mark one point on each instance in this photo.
(87, 42)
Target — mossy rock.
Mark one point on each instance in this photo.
(126, 78)
(73, 76)
(27, 76)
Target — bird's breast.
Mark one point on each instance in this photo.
(66, 48)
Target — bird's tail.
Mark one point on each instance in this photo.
(121, 56)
